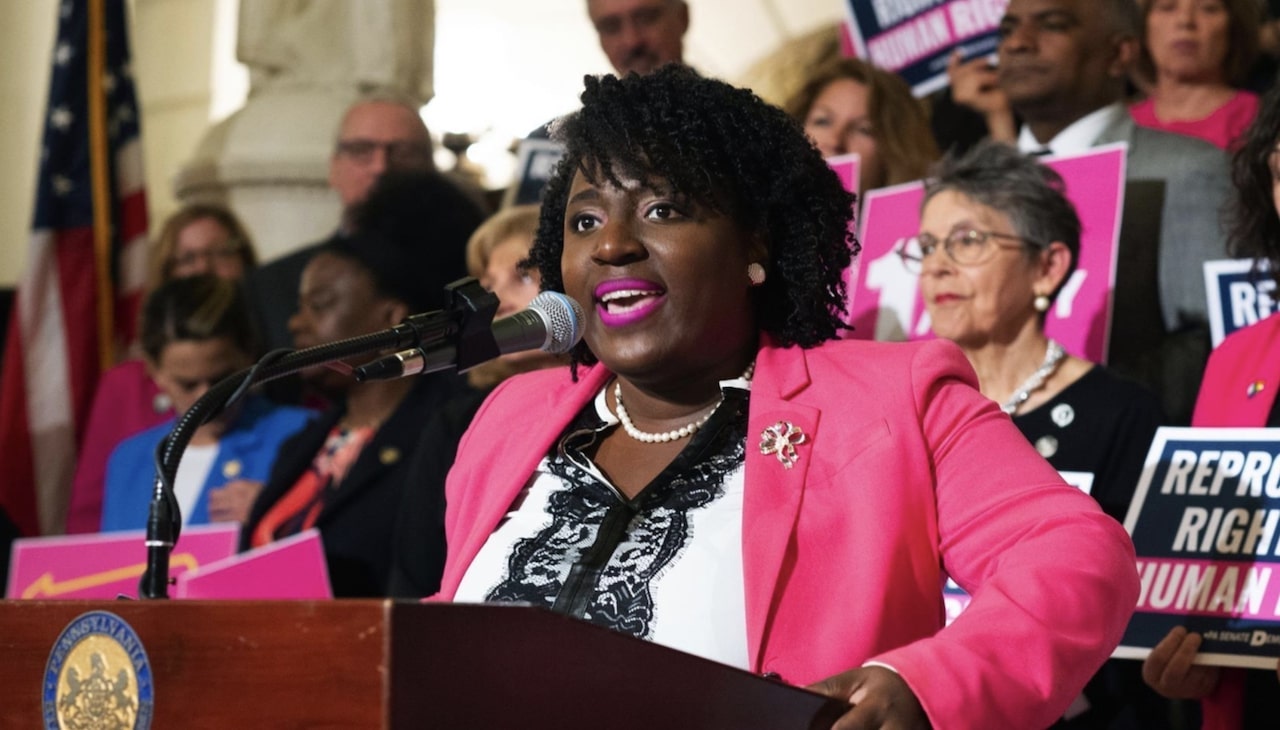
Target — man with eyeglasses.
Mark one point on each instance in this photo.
(378, 133)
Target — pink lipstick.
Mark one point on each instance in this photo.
(621, 302)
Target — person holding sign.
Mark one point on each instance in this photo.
(849, 106)
(998, 239)
(1240, 386)
(1062, 68)
(720, 474)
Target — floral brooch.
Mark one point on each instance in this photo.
(781, 439)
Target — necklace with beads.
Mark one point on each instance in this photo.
(1052, 356)
(676, 434)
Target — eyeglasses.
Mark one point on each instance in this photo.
(399, 152)
(966, 247)
(226, 252)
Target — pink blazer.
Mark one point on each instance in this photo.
(124, 404)
(1242, 378)
(908, 473)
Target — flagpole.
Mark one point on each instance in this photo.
(99, 174)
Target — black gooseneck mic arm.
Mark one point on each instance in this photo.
(468, 320)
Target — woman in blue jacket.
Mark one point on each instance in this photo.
(196, 332)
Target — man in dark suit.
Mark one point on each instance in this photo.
(1063, 65)
(378, 133)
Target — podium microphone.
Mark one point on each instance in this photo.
(553, 322)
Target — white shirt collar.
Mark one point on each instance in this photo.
(1078, 136)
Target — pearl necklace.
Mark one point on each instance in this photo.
(1052, 356)
(684, 431)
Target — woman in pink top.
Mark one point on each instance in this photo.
(198, 239)
(720, 473)
(1237, 391)
(1194, 53)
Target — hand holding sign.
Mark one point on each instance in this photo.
(1204, 524)
(1170, 670)
(915, 38)
(974, 85)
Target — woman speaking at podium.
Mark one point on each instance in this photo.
(718, 473)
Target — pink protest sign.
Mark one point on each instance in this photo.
(885, 302)
(847, 168)
(109, 564)
(292, 568)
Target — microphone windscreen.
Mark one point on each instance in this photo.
(564, 319)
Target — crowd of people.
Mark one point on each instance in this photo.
(720, 465)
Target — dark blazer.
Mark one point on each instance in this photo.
(356, 526)
(1197, 185)
(1173, 221)
(418, 548)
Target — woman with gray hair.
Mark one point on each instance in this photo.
(998, 240)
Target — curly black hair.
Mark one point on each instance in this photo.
(1255, 230)
(725, 149)
(411, 235)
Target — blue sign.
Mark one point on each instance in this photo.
(1205, 522)
(914, 38)
(535, 161)
(1238, 294)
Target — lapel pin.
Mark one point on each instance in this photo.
(231, 469)
(781, 439)
(389, 455)
(1255, 388)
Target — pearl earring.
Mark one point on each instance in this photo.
(755, 272)
(1041, 303)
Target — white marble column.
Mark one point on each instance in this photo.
(308, 60)
(27, 30)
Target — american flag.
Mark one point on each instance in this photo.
(77, 300)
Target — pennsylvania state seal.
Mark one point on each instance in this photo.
(98, 677)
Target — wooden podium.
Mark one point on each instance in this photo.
(385, 664)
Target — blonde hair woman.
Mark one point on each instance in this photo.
(848, 105)
(198, 239)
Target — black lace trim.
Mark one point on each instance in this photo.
(598, 557)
